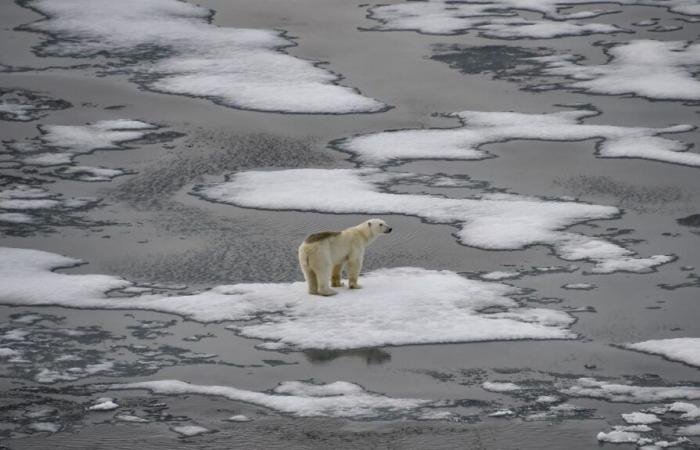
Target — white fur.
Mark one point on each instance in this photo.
(322, 261)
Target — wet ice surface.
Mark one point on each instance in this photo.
(23, 106)
(485, 220)
(238, 67)
(480, 128)
(260, 381)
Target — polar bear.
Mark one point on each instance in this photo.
(323, 255)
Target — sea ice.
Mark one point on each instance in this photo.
(590, 387)
(689, 430)
(485, 221)
(239, 418)
(408, 306)
(689, 410)
(479, 128)
(237, 67)
(498, 386)
(579, 286)
(104, 404)
(645, 68)
(686, 350)
(499, 275)
(22, 106)
(499, 19)
(88, 173)
(636, 418)
(618, 437)
(300, 399)
(190, 430)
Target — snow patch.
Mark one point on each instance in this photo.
(300, 399)
(480, 128)
(686, 350)
(407, 305)
(592, 388)
(485, 221)
(645, 68)
(237, 67)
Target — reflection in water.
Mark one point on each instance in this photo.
(371, 355)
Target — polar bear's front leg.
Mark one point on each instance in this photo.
(354, 267)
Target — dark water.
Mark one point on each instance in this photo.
(149, 229)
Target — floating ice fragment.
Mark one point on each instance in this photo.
(499, 275)
(579, 286)
(237, 67)
(689, 430)
(480, 128)
(130, 418)
(190, 430)
(590, 387)
(301, 399)
(498, 386)
(239, 418)
(618, 437)
(485, 221)
(645, 68)
(104, 404)
(640, 418)
(686, 350)
(399, 300)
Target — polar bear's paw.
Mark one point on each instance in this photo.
(327, 293)
(354, 286)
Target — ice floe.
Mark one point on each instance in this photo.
(689, 430)
(485, 221)
(689, 411)
(645, 68)
(407, 306)
(190, 430)
(88, 173)
(21, 105)
(479, 128)
(104, 404)
(499, 18)
(60, 144)
(488, 19)
(300, 399)
(237, 67)
(686, 350)
(613, 392)
(239, 418)
(499, 275)
(640, 418)
(618, 437)
(579, 286)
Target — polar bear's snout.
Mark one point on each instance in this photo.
(387, 229)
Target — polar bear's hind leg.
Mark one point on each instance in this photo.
(335, 278)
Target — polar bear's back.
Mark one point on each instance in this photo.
(322, 236)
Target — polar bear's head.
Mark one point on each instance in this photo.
(377, 227)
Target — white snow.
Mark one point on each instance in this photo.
(689, 430)
(65, 142)
(485, 221)
(485, 18)
(590, 387)
(499, 275)
(502, 413)
(686, 350)
(645, 68)
(239, 418)
(498, 386)
(130, 418)
(618, 437)
(48, 427)
(180, 52)
(479, 128)
(88, 173)
(48, 376)
(104, 404)
(689, 410)
(499, 19)
(297, 398)
(190, 430)
(406, 305)
(579, 286)
(640, 418)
